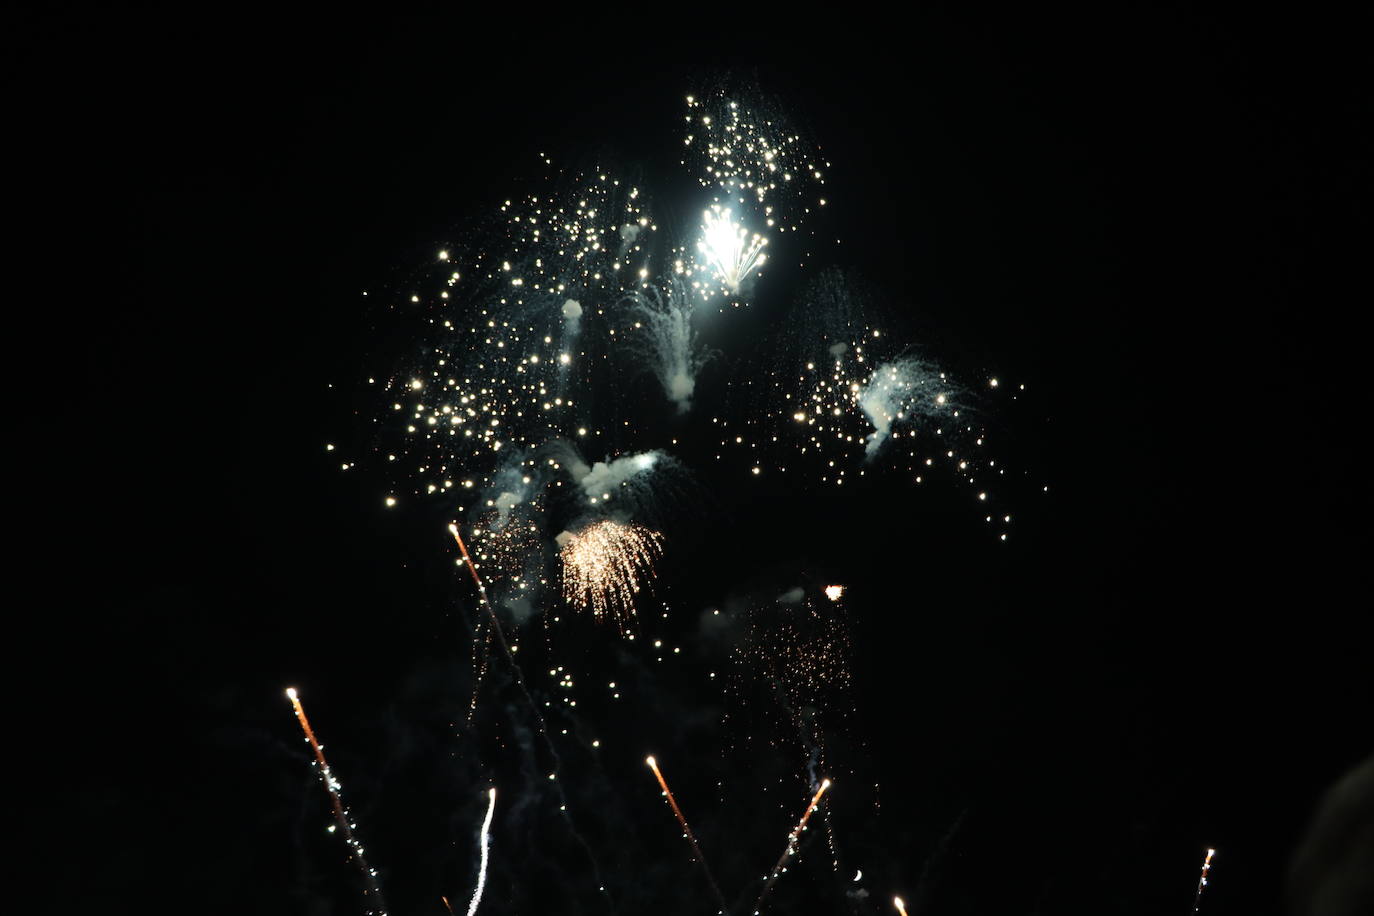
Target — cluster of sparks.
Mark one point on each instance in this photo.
(516, 329)
(606, 564)
(508, 353)
(1202, 879)
(731, 253)
(750, 152)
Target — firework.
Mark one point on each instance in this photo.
(604, 565)
(742, 145)
(1202, 880)
(534, 707)
(730, 253)
(792, 839)
(663, 316)
(485, 842)
(372, 892)
(687, 832)
(507, 348)
(901, 907)
(834, 592)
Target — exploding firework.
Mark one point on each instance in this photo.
(505, 360)
(729, 252)
(741, 144)
(342, 820)
(605, 566)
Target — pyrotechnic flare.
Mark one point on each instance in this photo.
(729, 250)
(534, 707)
(372, 893)
(1202, 881)
(792, 839)
(486, 845)
(604, 564)
(687, 832)
(901, 907)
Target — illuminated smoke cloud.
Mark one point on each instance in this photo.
(663, 316)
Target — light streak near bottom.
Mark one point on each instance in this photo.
(373, 892)
(687, 832)
(486, 847)
(792, 839)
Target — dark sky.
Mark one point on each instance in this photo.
(1157, 221)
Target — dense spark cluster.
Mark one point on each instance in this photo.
(741, 145)
(507, 359)
(730, 253)
(606, 564)
(844, 398)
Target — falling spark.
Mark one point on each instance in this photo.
(729, 250)
(529, 698)
(834, 592)
(373, 892)
(1202, 881)
(901, 907)
(604, 565)
(687, 832)
(486, 846)
(792, 839)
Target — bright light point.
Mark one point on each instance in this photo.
(291, 692)
(825, 784)
(834, 592)
(650, 761)
(390, 501)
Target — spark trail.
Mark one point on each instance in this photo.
(792, 839)
(687, 832)
(1202, 880)
(373, 892)
(486, 847)
(534, 707)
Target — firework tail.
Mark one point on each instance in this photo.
(691, 838)
(1202, 880)
(486, 847)
(372, 891)
(534, 707)
(792, 839)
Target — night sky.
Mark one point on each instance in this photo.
(1157, 222)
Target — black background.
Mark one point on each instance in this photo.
(1157, 220)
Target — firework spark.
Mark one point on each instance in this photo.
(901, 907)
(372, 892)
(730, 252)
(687, 832)
(485, 842)
(792, 839)
(1202, 881)
(605, 564)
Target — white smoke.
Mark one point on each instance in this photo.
(902, 389)
(668, 344)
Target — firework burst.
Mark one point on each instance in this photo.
(605, 565)
(729, 252)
